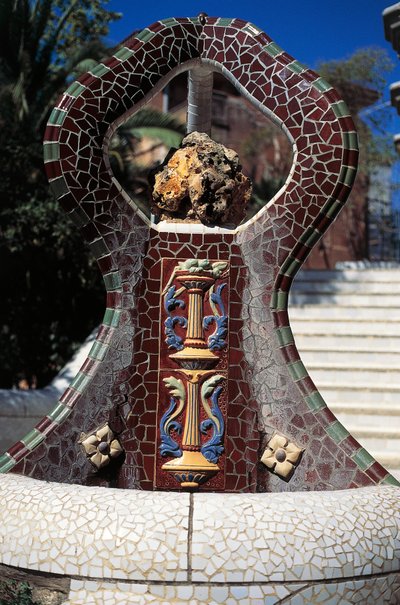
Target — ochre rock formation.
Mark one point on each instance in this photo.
(201, 182)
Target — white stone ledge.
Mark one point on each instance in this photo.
(382, 590)
(142, 536)
(93, 532)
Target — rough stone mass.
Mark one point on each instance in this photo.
(201, 182)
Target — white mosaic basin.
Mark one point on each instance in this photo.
(134, 542)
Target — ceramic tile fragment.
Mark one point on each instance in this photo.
(268, 250)
(136, 535)
(294, 537)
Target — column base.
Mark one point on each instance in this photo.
(191, 469)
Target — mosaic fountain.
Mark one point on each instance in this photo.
(192, 459)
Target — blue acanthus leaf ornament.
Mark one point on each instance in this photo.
(214, 447)
(170, 304)
(169, 447)
(216, 342)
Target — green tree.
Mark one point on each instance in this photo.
(16, 593)
(361, 80)
(43, 44)
(52, 294)
(128, 163)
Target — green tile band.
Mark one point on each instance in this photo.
(273, 49)
(80, 382)
(98, 350)
(332, 208)
(315, 401)
(57, 117)
(6, 463)
(123, 53)
(75, 89)
(297, 370)
(279, 300)
(310, 237)
(363, 459)
(285, 336)
(322, 85)
(59, 187)
(350, 140)
(224, 21)
(347, 175)
(340, 109)
(112, 280)
(145, 35)
(32, 439)
(297, 67)
(390, 480)
(170, 22)
(60, 413)
(51, 152)
(99, 70)
(111, 317)
(253, 30)
(290, 266)
(337, 431)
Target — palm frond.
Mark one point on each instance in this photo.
(148, 118)
(169, 138)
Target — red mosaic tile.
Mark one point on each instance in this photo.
(259, 387)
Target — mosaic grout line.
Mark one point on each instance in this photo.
(105, 95)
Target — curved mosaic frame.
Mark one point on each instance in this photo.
(302, 103)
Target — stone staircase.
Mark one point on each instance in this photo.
(346, 326)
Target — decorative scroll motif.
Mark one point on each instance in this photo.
(198, 413)
(281, 456)
(213, 448)
(169, 447)
(216, 342)
(170, 304)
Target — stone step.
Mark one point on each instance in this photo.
(375, 422)
(349, 327)
(362, 392)
(354, 299)
(384, 444)
(367, 374)
(373, 411)
(386, 434)
(346, 325)
(350, 275)
(351, 343)
(345, 287)
(346, 356)
(389, 460)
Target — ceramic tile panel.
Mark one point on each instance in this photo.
(267, 388)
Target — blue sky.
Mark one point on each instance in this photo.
(309, 30)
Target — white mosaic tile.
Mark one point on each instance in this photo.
(93, 531)
(376, 591)
(119, 593)
(295, 536)
(122, 541)
(373, 591)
